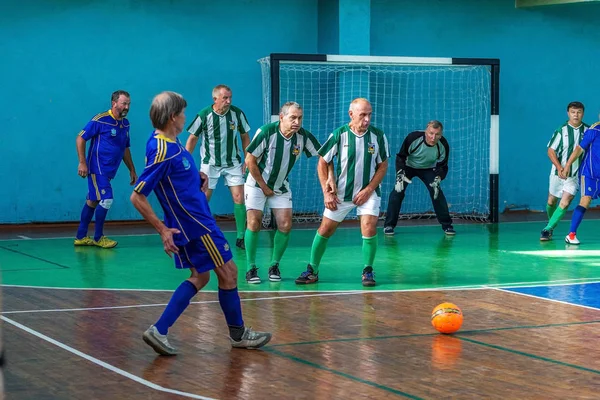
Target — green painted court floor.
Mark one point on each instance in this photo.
(417, 257)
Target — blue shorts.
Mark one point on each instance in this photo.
(208, 252)
(590, 187)
(99, 187)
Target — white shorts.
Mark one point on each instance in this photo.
(233, 175)
(255, 199)
(371, 207)
(557, 185)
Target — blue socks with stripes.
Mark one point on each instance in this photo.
(178, 303)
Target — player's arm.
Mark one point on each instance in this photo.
(244, 130)
(554, 159)
(252, 165)
(254, 151)
(245, 143)
(82, 168)
(141, 203)
(380, 171)
(441, 168)
(154, 172)
(362, 196)
(128, 160)
(195, 129)
(577, 152)
(90, 130)
(190, 145)
(402, 155)
(552, 146)
(325, 172)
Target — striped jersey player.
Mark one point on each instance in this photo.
(362, 159)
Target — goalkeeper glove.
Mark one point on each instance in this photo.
(401, 181)
(436, 186)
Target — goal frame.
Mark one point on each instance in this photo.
(494, 64)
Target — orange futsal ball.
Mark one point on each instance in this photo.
(447, 318)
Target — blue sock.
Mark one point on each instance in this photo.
(577, 217)
(100, 217)
(231, 306)
(178, 303)
(87, 213)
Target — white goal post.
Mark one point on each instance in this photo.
(406, 93)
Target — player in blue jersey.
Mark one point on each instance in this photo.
(189, 231)
(589, 179)
(108, 133)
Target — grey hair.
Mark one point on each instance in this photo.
(435, 124)
(216, 89)
(164, 106)
(285, 109)
(356, 101)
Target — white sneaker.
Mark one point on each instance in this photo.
(251, 339)
(158, 342)
(571, 238)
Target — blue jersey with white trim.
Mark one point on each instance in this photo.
(109, 139)
(590, 166)
(172, 174)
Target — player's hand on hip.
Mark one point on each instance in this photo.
(401, 181)
(436, 186)
(331, 201)
(203, 182)
(168, 243)
(132, 178)
(82, 170)
(330, 186)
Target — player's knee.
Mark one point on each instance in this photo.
(284, 226)
(227, 274)
(238, 197)
(106, 203)
(200, 280)
(92, 203)
(254, 221)
(564, 203)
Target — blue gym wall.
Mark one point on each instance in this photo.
(61, 60)
(547, 59)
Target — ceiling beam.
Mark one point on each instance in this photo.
(536, 3)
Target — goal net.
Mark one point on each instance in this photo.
(405, 94)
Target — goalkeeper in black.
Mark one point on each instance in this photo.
(424, 155)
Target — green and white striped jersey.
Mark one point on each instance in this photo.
(563, 142)
(277, 155)
(219, 146)
(358, 157)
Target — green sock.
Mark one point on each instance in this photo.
(280, 243)
(239, 212)
(556, 217)
(316, 252)
(251, 241)
(369, 248)
(550, 210)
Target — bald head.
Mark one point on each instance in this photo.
(360, 115)
(164, 106)
(359, 102)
